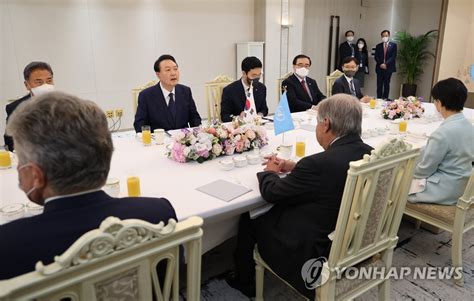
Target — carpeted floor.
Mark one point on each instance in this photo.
(416, 248)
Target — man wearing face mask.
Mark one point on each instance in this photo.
(236, 96)
(64, 150)
(347, 48)
(347, 84)
(38, 80)
(302, 91)
(385, 58)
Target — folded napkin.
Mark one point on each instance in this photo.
(417, 185)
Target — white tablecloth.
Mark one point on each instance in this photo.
(162, 177)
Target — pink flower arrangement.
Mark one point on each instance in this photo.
(407, 108)
(206, 143)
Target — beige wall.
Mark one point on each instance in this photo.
(458, 45)
(101, 49)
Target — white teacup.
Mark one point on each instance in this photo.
(227, 164)
(13, 211)
(285, 151)
(240, 161)
(112, 187)
(253, 158)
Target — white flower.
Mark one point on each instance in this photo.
(187, 150)
(217, 149)
(200, 147)
(179, 136)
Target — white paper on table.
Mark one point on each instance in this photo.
(254, 213)
(417, 185)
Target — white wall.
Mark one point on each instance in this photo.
(100, 50)
(458, 47)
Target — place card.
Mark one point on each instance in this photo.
(224, 190)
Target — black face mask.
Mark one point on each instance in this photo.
(253, 81)
(349, 73)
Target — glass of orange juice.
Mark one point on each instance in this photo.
(402, 126)
(372, 103)
(133, 185)
(146, 135)
(300, 146)
(5, 159)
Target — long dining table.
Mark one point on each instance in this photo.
(162, 177)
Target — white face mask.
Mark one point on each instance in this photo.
(302, 72)
(43, 89)
(360, 45)
(350, 39)
(385, 39)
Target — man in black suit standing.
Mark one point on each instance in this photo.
(64, 149)
(385, 58)
(236, 96)
(347, 48)
(306, 201)
(167, 105)
(302, 91)
(347, 84)
(38, 80)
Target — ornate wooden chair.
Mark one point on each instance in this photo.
(214, 95)
(456, 219)
(137, 90)
(330, 79)
(369, 217)
(117, 261)
(281, 89)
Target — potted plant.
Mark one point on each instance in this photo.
(412, 56)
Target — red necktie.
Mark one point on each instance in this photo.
(385, 47)
(303, 83)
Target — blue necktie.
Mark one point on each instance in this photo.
(352, 88)
(172, 106)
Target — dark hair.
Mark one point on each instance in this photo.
(36, 66)
(385, 30)
(451, 92)
(164, 57)
(348, 32)
(301, 56)
(364, 49)
(350, 59)
(250, 62)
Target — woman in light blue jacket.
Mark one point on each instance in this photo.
(446, 161)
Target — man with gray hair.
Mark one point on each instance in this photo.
(306, 201)
(64, 150)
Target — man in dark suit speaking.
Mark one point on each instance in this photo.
(235, 97)
(64, 149)
(306, 201)
(385, 58)
(302, 91)
(347, 84)
(167, 105)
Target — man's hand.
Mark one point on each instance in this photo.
(278, 165)
(383, 66)
(365, 99)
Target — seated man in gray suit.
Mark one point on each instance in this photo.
(347, 84)
(64, 149)
(306, 201)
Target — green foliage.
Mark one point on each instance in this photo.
(413, 54)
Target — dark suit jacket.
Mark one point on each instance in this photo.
(363, 59)
(10, 108)
(153, 111)
(390, 59)
(345, 50)
(342, 86)
(41, 237)
(306, 207)
(233, 100)
(298, 99)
